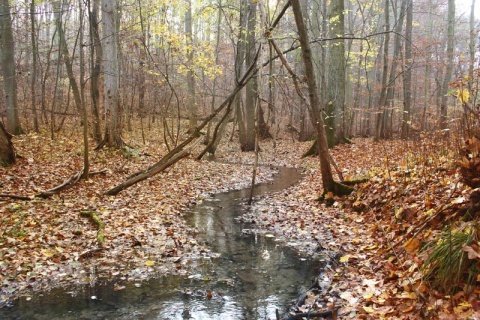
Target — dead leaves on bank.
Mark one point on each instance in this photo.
(378, 234)
(47, 242)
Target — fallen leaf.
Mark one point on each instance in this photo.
(472, 253)
(412, 245)
(149, 263)
(368, 309)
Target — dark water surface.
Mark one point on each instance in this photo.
(252, 277)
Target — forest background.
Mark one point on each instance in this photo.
(114, 85)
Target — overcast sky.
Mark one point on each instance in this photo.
(463, 6)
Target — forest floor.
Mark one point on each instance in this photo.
(369, 241)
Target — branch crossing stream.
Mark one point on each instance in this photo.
(252, 277)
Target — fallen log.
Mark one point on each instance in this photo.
(68, 183)
(14, 196)
(148, 173)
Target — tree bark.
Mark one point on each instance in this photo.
(335, 104)
(252, 85)
(449, 64)
(388, 130)
(7, 55)
(111, 79)
(382, 101)
(191, 101)
(68, 65)
(471, 46)
(33, 80)
(7, 152)
(329, 185)
(96, 56)
(239, 62)
(407, 80)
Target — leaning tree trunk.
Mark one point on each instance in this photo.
(329, 185)
(7, 153)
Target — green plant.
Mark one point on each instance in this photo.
(448, 265)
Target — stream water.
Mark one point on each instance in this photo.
(252, 277)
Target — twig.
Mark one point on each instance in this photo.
(14, 196)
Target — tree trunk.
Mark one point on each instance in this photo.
(7, 153)
(68, 65)
(335, 104)
(239, 59)
(96, 56)
(449, 64)
(7, 55)
(86, 159)
(329, 184)
(214, 85)
(252, 85)
(33, 80)
(388, 130)
(407, 79)
(111, 70)
(382, 101)
(191, 101)
(471, 45)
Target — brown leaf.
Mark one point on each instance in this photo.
(412, 245)
(473, 253)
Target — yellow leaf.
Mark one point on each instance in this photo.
(412, 245)
(463, 95)
(356, 241)
(149, 263)
(47, 253)
(368, 309)
(368, 295)
(344, 258)
(408, 295)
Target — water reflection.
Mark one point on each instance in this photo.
(252, 277)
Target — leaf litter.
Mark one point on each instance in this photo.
(367, 242)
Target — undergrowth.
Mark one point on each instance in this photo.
(448, 265)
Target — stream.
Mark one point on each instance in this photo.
(252, 277)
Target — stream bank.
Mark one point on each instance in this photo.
(251, 277)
